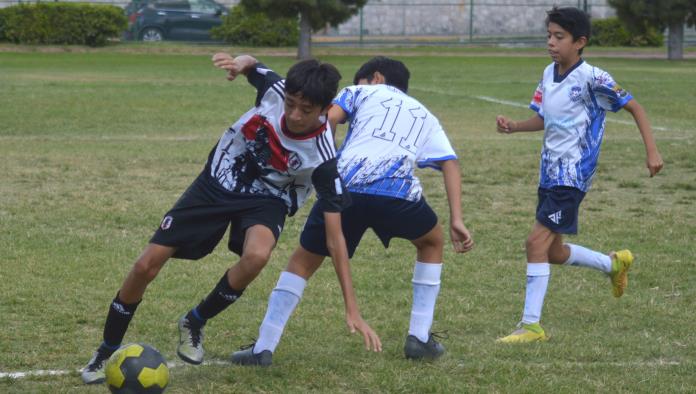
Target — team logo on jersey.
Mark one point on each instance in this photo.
(537, 97)
(166, 223)
(620, 92)
(575, 93)
(555, 217)
(294, 161)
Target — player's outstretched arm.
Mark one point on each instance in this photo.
(507, 126)
(234, 65)
(459, 234)
(336, 244)
(654, 160)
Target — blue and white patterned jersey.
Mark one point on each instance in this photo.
(574, 107)
(389, 134)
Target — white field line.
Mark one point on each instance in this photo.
(53, 372)
(519, 105)
(177, 364)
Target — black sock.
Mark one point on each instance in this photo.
(220, 298)
(117, 321)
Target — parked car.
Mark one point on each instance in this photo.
(188, 20)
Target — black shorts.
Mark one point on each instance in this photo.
(387, 216)
(558, 208)
(199, 219)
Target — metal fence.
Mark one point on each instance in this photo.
(516, 22)
(456, 21)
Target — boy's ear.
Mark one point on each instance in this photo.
(580, 43)
(378, 79)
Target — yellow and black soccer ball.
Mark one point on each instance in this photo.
(137, 368)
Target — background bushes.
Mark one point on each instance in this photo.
(245, 28)
(61, 23)
(610, 32)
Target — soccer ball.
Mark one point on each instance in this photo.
(137, 368)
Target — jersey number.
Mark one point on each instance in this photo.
(386, 130)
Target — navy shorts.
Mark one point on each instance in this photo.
(558, 208)
(201, 216)
(387, 216)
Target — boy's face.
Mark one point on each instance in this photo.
(562, 48)
(301, 116)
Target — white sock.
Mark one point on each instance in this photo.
(282, 302)
(426, 286)
(582, 257)
(537, 282)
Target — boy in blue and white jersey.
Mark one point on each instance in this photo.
(390, 134)
(570, 104)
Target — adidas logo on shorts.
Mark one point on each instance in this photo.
(555, 217)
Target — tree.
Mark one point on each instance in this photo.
(313, 14)
(660, 14)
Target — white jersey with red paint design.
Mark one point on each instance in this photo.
(258, 155)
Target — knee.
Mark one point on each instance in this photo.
(532, 244)
(147, 268)
(433, 241)
(255, 261)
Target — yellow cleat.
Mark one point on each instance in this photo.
(526, 333)
(620, 263)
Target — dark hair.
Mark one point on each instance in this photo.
(572, 20)
(315, 81)
(395, 72)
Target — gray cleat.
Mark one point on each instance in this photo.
(416, 350)
(93, 372)
(190, 347)
(246, 356)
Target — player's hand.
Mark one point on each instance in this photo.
(503, 124)
(654, 163)
(226, 62)
(356, 323)
(461, 237)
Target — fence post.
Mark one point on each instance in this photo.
(471, 20)
(361, 25)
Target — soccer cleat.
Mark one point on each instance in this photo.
(414, 349)
(93, 372)
(190, 347)
(246, 356)
(620, 263)
(525, 333)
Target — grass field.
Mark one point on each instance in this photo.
(97, 145)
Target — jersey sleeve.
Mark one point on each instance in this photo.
(535, 105)
(607, 92)
(346, 99)
(436, 148)
(332, 196)
(263, 79)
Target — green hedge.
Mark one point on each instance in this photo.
(610, 32)
(242, 27)
(61, 23)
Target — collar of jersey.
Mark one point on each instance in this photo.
(306, 136)
(559, 78)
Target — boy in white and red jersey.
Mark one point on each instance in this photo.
(570, 104)
(262, 169)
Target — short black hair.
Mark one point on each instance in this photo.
(395, 72)
(571, 19)
(316, 82)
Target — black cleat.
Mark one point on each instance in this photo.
(246, 356)
(414, 349)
